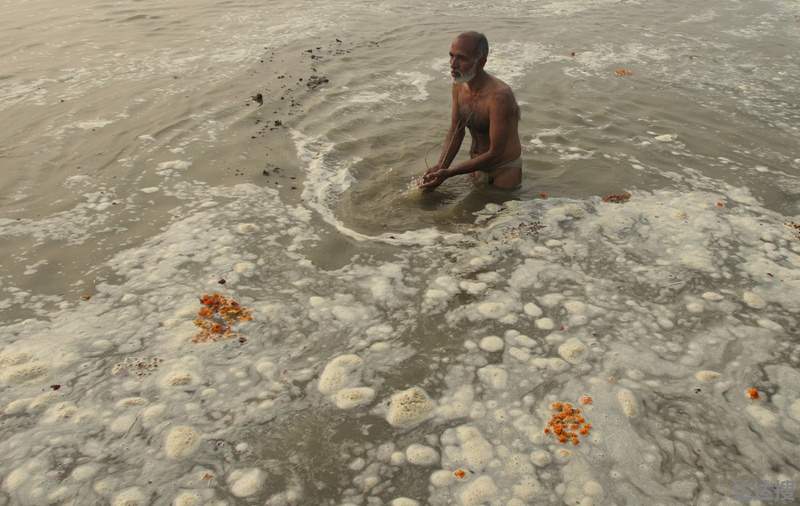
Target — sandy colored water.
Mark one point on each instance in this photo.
(404, 348)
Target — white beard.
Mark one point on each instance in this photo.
(465, 78)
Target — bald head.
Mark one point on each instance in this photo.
(478, 41)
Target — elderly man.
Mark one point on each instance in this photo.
(486, 105)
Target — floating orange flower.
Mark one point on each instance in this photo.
(217, 317)
(753, 394)
(543, 195)
(459, 473)
(585, 399)
(567, 424)
(617, 198)
(621, 72)
(720, 204)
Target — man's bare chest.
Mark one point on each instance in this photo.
(474, 113)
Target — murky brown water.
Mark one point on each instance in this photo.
(137, 173)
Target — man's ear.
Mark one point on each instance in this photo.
(482, 62)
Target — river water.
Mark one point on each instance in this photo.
(404, 348)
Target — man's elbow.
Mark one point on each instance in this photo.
(493, 157)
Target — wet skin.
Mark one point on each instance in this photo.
(487, 107)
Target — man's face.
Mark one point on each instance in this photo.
(463, 60)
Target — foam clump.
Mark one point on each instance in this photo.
(349, 398)
(247, 228)
(478, 492)
(409, 408)
(706, 376)
(575, 307)
(22, 372)
(246, 482)
(476, 452)
(181, 442)
(174, 164)
(187, 498)
(60, 412)
(84, 472)
(403, 501)
(16, 478)
(130, 497)
(541, 458)
(794, 410)
(178, 378)
(573, 351)
(491, 344)
(341, 372)
(627, 402)
(762, 415)
(753, 300)
(493, 310)
(421, 455)
(493, 376)
(532, 310)
(10, 358)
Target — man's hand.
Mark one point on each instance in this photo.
(433, 169)
(433, 179)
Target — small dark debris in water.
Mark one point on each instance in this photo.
(770, 275)
(617, 198)
(258, 97)
(339, 41)
(281, 76)
(794, 226)
(572, 54)
(697, 390)
(309, 50)
(315, 81)
(278, 122)
(55, 387)
(265, 172)
(222, 281)
(86, 297)
(62, 100)
(523, 230)
(294, 187)
(242, 340)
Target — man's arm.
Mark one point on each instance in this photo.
(455, 135)
(502, 111)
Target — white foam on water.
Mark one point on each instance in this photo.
(485, 418)
(327, 179)
(92, 124)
